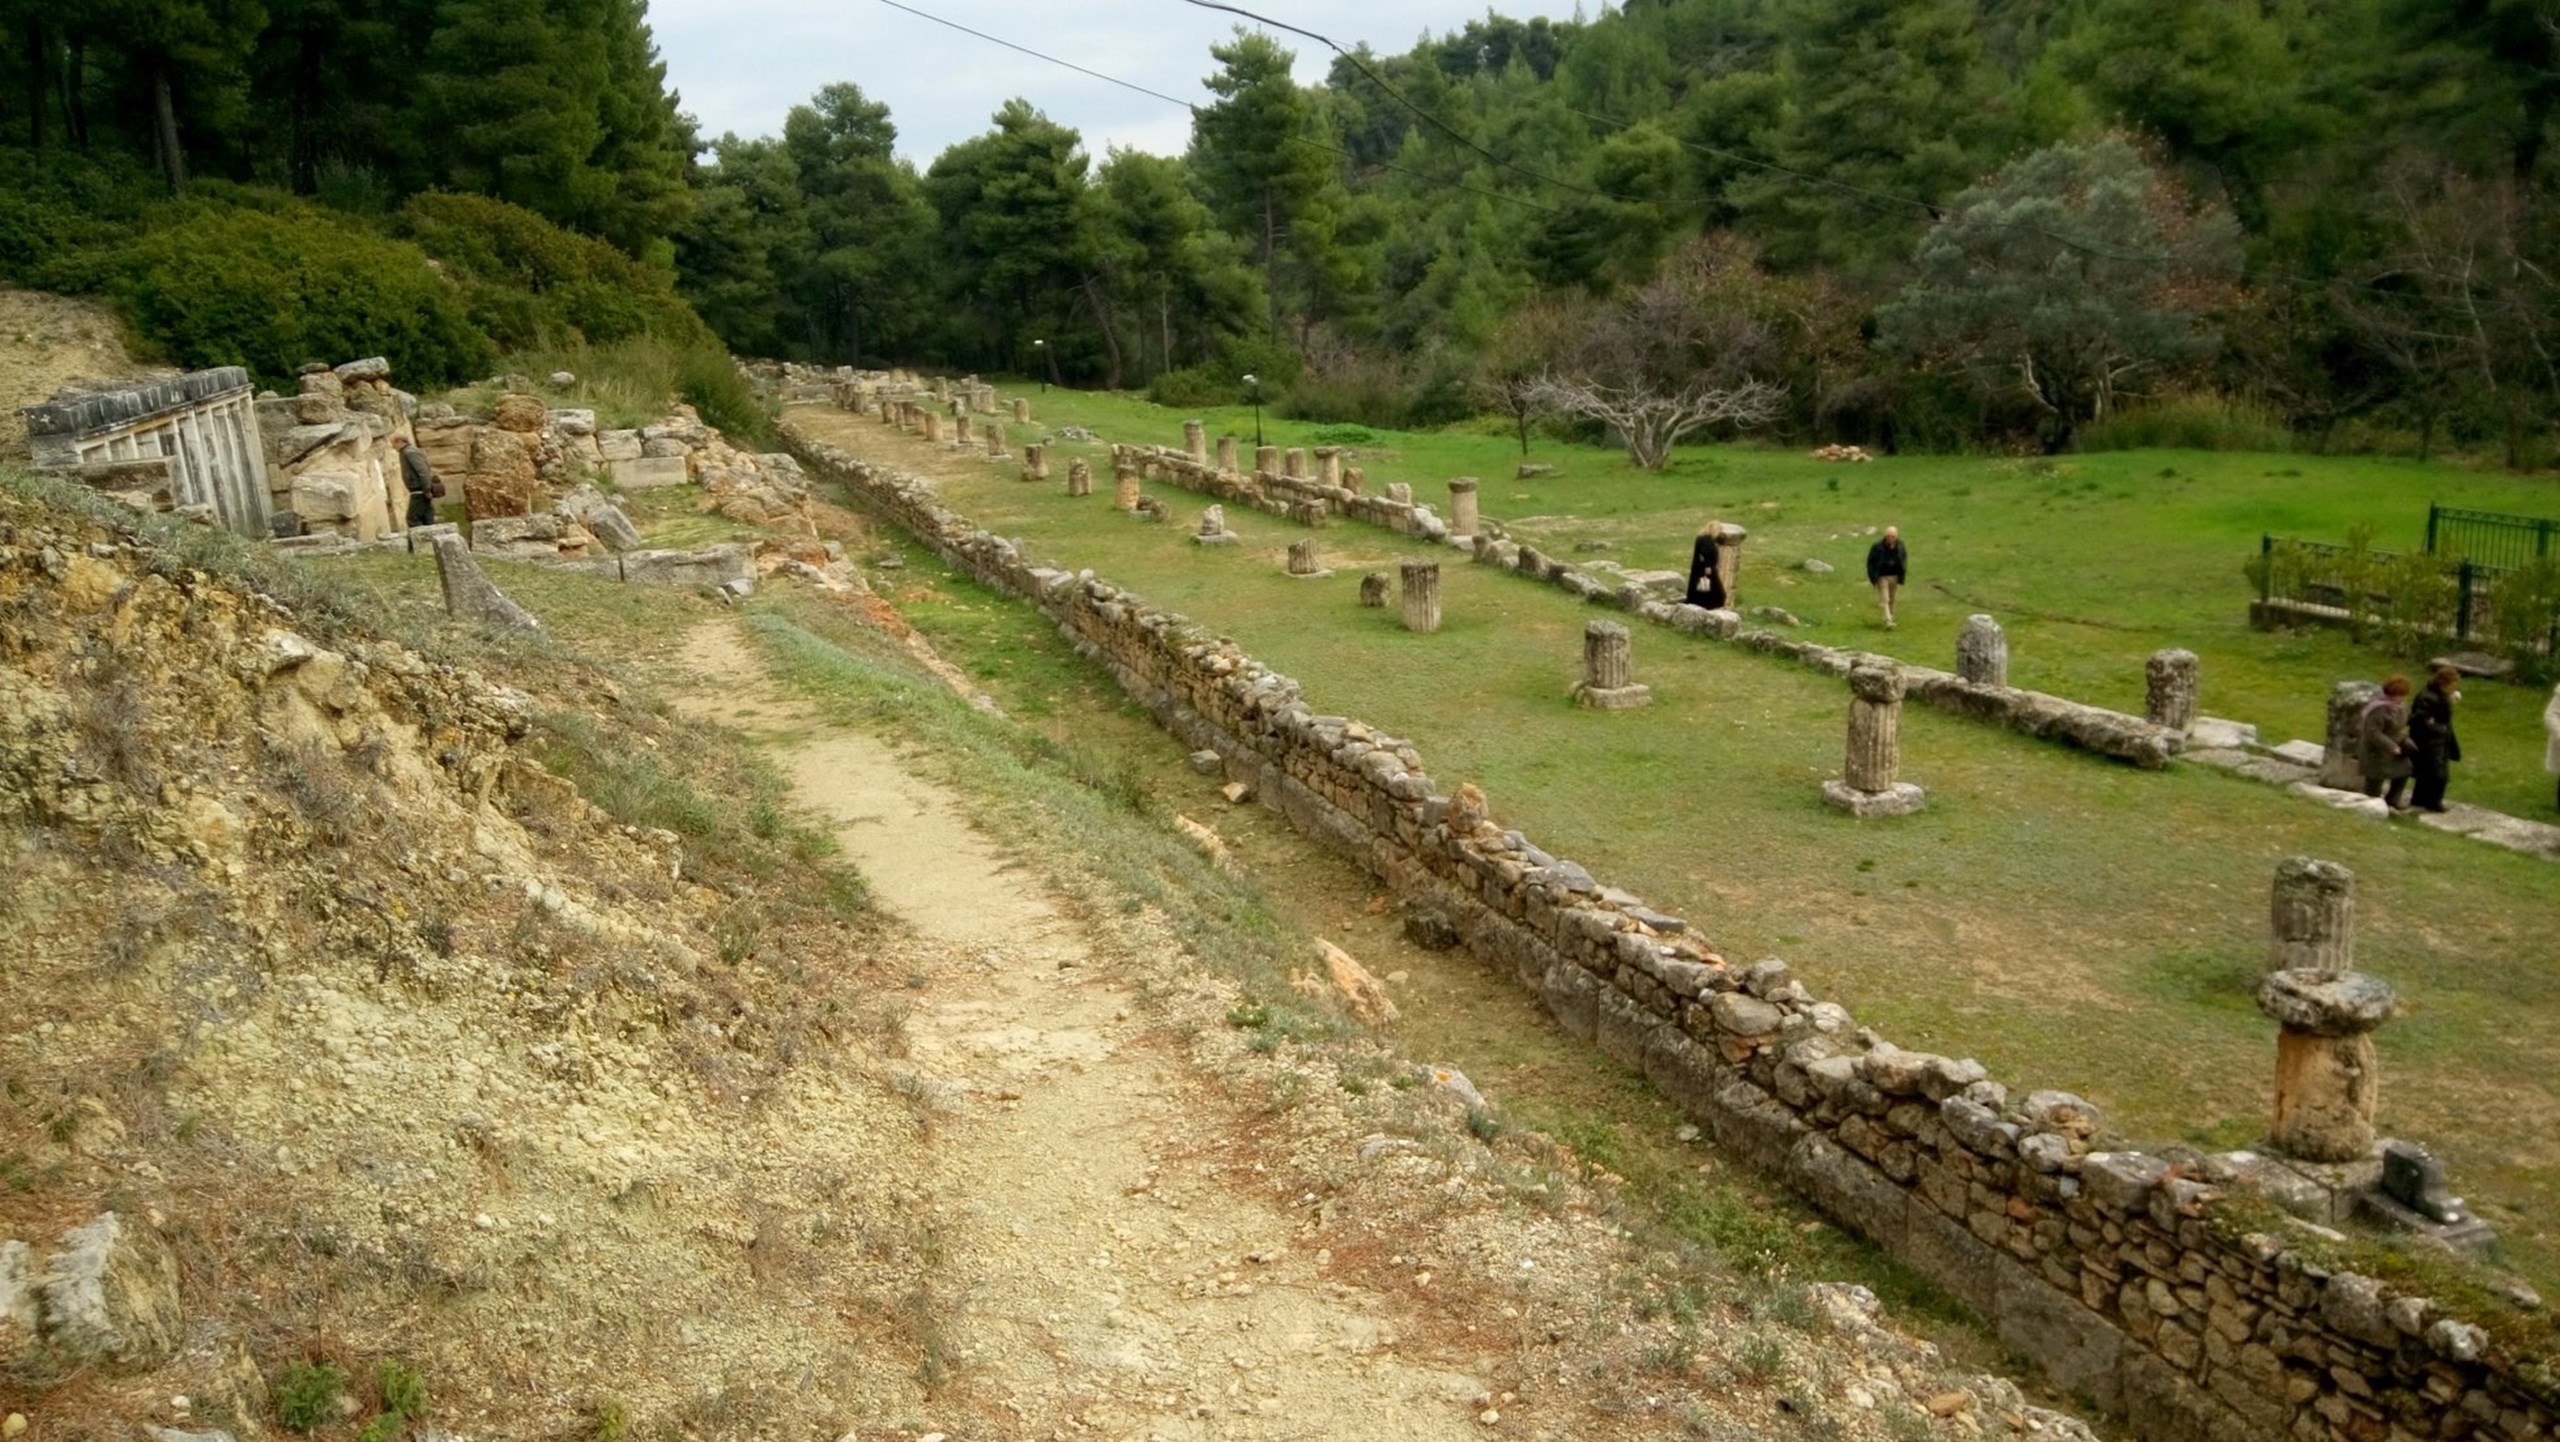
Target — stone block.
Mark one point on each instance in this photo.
(111, 1295)
(573, 422)
(525, 415)
(650, 472)
(1573, 998)
(1683, 1071)
(1941, 1249)
(713, 567)
(325, 498)
(2081, 1351)
(1622, 1028)
(1903, 799)
(469, 594)
(1754, 1125)
(1851, 1190)
(619, 445)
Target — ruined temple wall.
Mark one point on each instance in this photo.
(2124, 1279)
(202, 429)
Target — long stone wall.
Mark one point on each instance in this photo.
(2133, 1281)
(190, 440)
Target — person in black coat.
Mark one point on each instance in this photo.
(1888, 567)
(1706, 583)
(2431, 732)
(420, 478)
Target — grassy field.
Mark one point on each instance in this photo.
(2090, 562)
(2073, 922)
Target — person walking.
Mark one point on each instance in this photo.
(2383, 747)
(1706, 582)
(2431, 730)
(420, 478)
(1888, 567)
(2551, 729)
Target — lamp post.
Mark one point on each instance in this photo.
(1049, 360)
(1255, 381)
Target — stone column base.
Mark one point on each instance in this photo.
(1902, 800)
(1614, 698)
(1223, 538)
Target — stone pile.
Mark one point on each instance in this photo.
(329, 456)
(2118, 1271)
(1213, 529)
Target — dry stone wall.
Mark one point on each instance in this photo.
(2130, 1279)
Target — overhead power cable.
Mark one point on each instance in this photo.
(1131, 85)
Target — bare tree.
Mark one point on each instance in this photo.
(1680, 354)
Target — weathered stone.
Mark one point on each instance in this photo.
(2328, 1075)
(1868, 786)
(1982, 652)
(1607, 682)
(111, 1295)
(536, 537)
(1213, 528)
(1421, 593)
(525, 415)
(2311, 916)
(715, 566)
(645, 473)
(1464, 521)
(21, 1304)
(2169, 690)
(1195, 441)
(1744, 1016)
(2340, 770)
(2325, 1003)
(469, 594)
(501, 481)
(1373, 589)
(1127, 494)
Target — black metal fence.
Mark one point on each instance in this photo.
(2417, 599)
(2491, 538)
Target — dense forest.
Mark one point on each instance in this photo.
(1919, 223)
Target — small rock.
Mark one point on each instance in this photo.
(1205, 762)
(562, 380)
(1815, 565)
(1236, 792)
(16, 1424)
(1948, 1404)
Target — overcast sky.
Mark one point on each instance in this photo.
(739, 64)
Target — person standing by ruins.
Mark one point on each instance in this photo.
(2431, 730)
(1888, 567)
(2383, 747)
(420, 478)
(1706, 580)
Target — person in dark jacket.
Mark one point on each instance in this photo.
(2383, 747)
(420, 478)
(2431, 731)
(1888, 567)
(1706, 583)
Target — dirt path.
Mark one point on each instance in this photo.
(1102, 1273)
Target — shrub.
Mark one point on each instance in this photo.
(2190, 423)
(308, 1395)
(1200, 385)
(59, 211)
(211, 284)
(709, 381)
(530, 283)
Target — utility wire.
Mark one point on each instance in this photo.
(1132, 85)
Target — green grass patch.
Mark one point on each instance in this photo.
(2072, 922)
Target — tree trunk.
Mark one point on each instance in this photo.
(1110, 334)
(304, 166)
(39, 62)
(75, 104)
(173, 157)
(2426, 431)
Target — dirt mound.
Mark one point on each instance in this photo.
(47, 342)
(408, 1050)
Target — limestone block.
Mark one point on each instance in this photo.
(325, 498)
(447, 443)
(619, 445)
(651, 472)
(534, 537)
(321, 383)
(713, 567)
(319, 410)
(573, 422)
(469, 594)
(371, 368)
(664, 448)
(1901, 799)
(111, 1295)
(613, 528)
(502, 481)
(525, 415)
